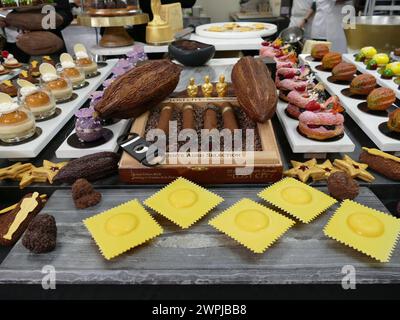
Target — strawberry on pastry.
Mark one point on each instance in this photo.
(321, 125)
(288, 73)
(333, 104)
(300, 102)
(284, 64)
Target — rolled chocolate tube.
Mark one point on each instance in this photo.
(188, 117)
(229, 117)
(165, 117)
(210, 118)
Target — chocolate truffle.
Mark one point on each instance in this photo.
(341, 186)
(84, 195)
(41, 235)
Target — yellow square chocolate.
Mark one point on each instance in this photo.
(122, 228)
(370, 231)
(183, 202)
(251, 224)
(298, 199)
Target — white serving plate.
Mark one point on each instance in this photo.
(300, 144)
(368, 123)
(269, 30)
(65, 151)
(388, 83)
(51, 127)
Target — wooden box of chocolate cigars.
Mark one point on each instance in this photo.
(199, 113)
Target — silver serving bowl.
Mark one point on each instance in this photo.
(292, 34)
(381, 32)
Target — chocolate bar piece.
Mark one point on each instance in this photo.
(229, 117)
(210, 118)
(14, 223)
(165, 117)
(188, 117)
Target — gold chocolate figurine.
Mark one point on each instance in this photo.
(192, 89)
(207, 87)
(222, 87)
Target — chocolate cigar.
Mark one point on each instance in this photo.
(165, 117)
(188, 117)
(210, 118)
(229, 117)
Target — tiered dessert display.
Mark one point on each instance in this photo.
(370, 97)
(114, 16)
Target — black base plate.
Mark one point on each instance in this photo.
(73, 97)
(109, 122)
(94, 75)
(56, 113)
(74, 141)
(363, 106)
(319, 68)
(337, 138)
(383, 128)
(101, 64)
(346, 92)
(37, 134)
(85, 84)
(339, 82)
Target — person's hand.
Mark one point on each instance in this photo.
(302, 24)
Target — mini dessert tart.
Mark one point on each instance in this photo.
(9, 61)
(25, 75)
(321, 125)
(394, 121)
(16, 122)
(394, 67)
(68, 69)
(3, 70)
(363, 84)
(88, 126)
(381, 59)
(49, 60)
(8, 87)
(34, 69)
(381, 99)
(84, 61)
(368, 52)
(40, 101)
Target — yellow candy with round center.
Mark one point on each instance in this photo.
(381, 59)
(369, 52)
(296, 195)
(121, 224)
(251, 220)
(365, 225)
(395, 67)
(183, 198)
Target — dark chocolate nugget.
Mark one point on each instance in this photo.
(41, 235)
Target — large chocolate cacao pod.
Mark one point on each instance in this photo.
(40, 43)
(139, 89)
(255, 89)
(92, 167)
(30, 21)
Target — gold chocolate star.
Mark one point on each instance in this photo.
(48, 171)
(303, 171)
(328, 168)
(354, 169)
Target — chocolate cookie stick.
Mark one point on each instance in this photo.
(188, 117)
(229, 117)
(165, 117)
(210, 118)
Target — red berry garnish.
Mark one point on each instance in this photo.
(313, 106)
(5, 54)
(265, 44)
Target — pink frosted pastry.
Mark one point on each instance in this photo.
(284, 64)
(270, 52)
(321, 125)
(287, 85)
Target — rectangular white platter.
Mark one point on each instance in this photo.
(368, 123)
(388, 83)
(300, 144)
(65, 151)
(52, 126)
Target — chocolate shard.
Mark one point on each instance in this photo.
(138, 90)
(255, 89)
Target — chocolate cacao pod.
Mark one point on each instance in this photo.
(92, 167)
(319, 50)
(39, 43)
(381, 99)
(331, 59)
(255, 90)
(363, 84)
(138, 90)
(344, 71)
(29, 21)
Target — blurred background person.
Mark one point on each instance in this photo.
(302, 14)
